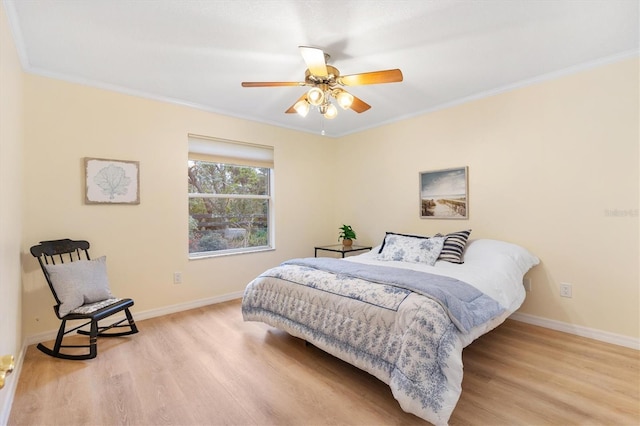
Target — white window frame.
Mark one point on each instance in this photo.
(221, 151)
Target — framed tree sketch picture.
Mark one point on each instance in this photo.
(444, 194)
(111, 181)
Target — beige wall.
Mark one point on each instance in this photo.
(11, 122)
(547, 165)
(146, 243)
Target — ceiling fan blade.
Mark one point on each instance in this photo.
(374, 77)
(291, 108)
(271, 83)
(315, 60)
(358, 105)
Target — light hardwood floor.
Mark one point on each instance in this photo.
(208, 367)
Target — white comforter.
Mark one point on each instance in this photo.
(405, 339)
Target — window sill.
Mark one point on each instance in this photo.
(209, 255)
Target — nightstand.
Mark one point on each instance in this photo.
(343, 250)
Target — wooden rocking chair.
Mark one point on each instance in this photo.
(79, 299)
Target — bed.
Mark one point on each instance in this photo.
(403, 312)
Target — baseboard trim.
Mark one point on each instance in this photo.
(143, 315)
(166, 310)
(591, 333)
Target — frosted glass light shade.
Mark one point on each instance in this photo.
(315, 96)
(331, 112)
(302, 107)
(345, 99)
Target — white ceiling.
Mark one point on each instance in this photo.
(197, 52)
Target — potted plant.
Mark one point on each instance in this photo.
(347, 235)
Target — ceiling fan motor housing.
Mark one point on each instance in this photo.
(330, 79)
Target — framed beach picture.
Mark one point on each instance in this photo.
(111, 181)
(444, 194)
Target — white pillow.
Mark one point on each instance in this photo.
(411, 249)
(485, 250)
(80, 282)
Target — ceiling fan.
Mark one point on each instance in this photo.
(325, 81)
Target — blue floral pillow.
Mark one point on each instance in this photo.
(406, 248)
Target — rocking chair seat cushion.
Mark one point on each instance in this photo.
(90, 308)
(80, 282)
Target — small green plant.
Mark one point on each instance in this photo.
(346, 233)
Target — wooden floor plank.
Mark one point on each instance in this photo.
(207, 366)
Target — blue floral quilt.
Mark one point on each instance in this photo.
(404, 338)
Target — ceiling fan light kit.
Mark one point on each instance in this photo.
(320, 97)
(325, 81)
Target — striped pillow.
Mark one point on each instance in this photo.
(454, 245)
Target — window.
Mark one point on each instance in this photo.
(230, 197)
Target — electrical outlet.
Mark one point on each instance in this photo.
(177, 277)
(527, 284)
(566, 290)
